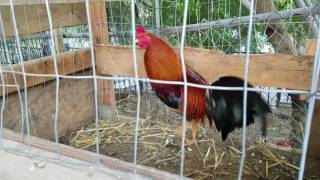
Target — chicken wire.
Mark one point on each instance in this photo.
(232, 41)
(37, 45)
(229, 42)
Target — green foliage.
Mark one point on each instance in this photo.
(283, 4)
(294, 25)
(204, 11)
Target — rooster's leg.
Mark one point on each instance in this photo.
(194, 131)
(194, 128)
(179, 128)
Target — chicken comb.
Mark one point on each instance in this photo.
(140, 29)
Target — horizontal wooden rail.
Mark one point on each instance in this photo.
(92, 157)
(270, 70)
(68, 63)
(31, 2)
(33, 18)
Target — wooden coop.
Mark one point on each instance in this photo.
(69, 93)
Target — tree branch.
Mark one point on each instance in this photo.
(310, 23)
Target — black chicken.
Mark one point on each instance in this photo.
(226, 107)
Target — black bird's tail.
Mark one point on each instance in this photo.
(225, 108)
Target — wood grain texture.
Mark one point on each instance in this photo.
(271, 70)
(91, 157)
(68, 63)
(49, 168)
(76, 108)
(99, 22)
(58, 39)
(314, 143)
(30, 2)
(33, 18)
(106, 98)
(310, 47)
(106, 94)
(313, 155)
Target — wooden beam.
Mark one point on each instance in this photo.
(32, 2)
(58, 40)
(91, 157)
(68, 63)
(99, 22)
(106, 94)
(271, 70)
(313, 155)
(314, 143)
(310, 47)
(76, 107)
(33, 18)
(28, 168)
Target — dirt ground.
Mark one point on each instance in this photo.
(213, 159)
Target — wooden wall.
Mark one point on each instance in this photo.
(76, 108)
(67, 63)
(269, 70)
(33, 18)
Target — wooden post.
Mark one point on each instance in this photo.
(314, 143)
(99, 22)
(313, 155)
(106, 95)
(58, 40)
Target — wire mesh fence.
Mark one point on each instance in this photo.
(165, 18)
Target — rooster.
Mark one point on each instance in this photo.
(226, 107)
(162, 63)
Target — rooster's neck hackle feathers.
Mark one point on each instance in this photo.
(161, 61)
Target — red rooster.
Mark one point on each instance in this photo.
(162, 63)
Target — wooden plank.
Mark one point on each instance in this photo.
(310, 47)
(99, 22)
(106, 98)
(313, 155)
(33, 18)
(58, 39)
(32, 2)
(47, 168)
(68, 63)
(314, 143)
(91, 157)
(76, 107)
(271, 70)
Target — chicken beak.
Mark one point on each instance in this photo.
(136, 41)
